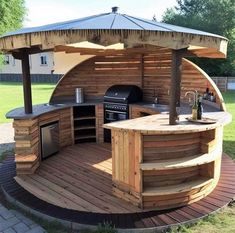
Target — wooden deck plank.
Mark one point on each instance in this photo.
(77, 158)
(64, 193)
(80, 174)
(77, 172)
(52, 171)
(99, 200)
(87, 191)
(79, 162)
(45, 193)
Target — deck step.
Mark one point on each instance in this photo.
(185, 162)
(179, 188)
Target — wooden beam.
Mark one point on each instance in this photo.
(175, 84)
(26, 81)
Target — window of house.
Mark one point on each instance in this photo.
(6, 59)
(43, 60)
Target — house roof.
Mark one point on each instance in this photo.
(110, 28)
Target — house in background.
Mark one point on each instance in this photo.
(42, 63)
(47, 66)
(41, 67)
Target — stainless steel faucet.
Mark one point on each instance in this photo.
(156, 100)
(194, 93)
(155, 97)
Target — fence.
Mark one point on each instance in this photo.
(35, 78)
(225, 83)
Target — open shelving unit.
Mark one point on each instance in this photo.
(163, 171)
(84, 120)
(180, 176)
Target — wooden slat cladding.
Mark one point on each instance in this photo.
(150, 71)
(170, 146)
(178, 199)
(97, 74)
(27, 137)
(99, 123)
(157, 178)
(26, 146)
(65, 124)
(126, 156)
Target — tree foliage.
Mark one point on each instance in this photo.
(12, 14)
(215, 16)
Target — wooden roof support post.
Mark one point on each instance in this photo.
(175, 84)
(24, 57)
(141, 70)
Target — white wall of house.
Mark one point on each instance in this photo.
(41, 63)
(51, 62)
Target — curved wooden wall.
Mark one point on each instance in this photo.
(151, 72)
(194, 78)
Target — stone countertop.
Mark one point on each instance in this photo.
(40, 109)
(184, 108)
(19, 113)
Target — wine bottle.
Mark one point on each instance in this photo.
(199, 108)
(194, 110)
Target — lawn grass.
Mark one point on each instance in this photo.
(216, 223)
(229, 135)
(11, 96)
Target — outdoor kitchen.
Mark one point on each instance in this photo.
(118, 134)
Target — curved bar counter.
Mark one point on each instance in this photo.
(161, 166)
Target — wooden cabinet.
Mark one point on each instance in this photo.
(162, 171)
(84, 118)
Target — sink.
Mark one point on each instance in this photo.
(153, 105)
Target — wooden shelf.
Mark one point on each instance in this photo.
(83, 118)
(84, 124)
(178, 188)
(84, 127)
(84, 137)
(189, 161)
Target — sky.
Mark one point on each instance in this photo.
(50, 11)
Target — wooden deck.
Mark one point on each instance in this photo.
(79, 178)
(95, 203)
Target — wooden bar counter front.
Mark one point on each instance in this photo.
(158, 166)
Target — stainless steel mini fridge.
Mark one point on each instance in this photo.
(49, 139)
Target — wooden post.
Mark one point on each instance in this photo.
(26, 81)
(141, 70)
(175, 85)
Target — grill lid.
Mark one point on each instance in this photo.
(123, 94)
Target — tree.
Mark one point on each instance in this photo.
(12, 14)
(215, 16)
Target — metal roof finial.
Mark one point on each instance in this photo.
(115, 9)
